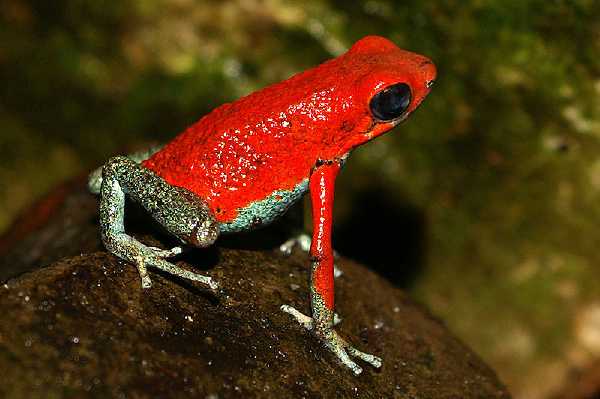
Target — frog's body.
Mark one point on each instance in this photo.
(242, 165)
(265, 145)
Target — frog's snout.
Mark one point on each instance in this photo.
(429, 73)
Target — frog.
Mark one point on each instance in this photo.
(244, 164)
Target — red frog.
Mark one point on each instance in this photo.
(245, 163)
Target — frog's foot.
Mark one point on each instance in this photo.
(332, 341)
(158, 253)
(130, 249)
(303, 242)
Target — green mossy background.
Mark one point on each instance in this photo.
(501, 164)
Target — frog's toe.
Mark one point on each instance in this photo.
(166, 253)
(332, 341)
(301, 240)
(337, 272)
(183, 273)
(344, 351)
(151, 256)
(373, 360)
(286, 247)
(304, 320)
(343, 357)
(140, 263)
(337, 319)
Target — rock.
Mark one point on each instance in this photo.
(63, 223)
(83, 327)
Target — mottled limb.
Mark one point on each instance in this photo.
(305, 320)
(95, 178)
(303, 241)
(321, 323)
(181, 212)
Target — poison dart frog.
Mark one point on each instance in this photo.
(245, 163)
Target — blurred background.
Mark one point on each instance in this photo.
(484, 205)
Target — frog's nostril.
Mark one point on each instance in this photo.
(428, 72)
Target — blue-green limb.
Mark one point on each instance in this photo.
(181, 212)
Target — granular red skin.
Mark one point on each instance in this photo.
(270, 140)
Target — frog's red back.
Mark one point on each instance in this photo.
(268, 141)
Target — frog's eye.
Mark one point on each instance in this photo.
(391, 102)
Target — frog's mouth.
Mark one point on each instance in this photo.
(378, 128)
(373, 128)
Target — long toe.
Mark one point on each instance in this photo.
(367, 357)
(212, 284)
(146, 282)
(343, 351)
(164, 253)
(178, 271)
(345, 359)
(304, 320)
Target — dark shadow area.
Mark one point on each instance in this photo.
(387, 238)
(196, 288)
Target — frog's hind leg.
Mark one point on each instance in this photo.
(95, 178)
(181, 212)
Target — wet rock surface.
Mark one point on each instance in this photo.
(83, 327)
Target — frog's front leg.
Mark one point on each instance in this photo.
(181, 212)
(322, 182)
(303, 241)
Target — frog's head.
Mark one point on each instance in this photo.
(390, 83)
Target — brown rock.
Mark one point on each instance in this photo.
(83, 327)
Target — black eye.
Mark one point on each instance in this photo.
(391, 102)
